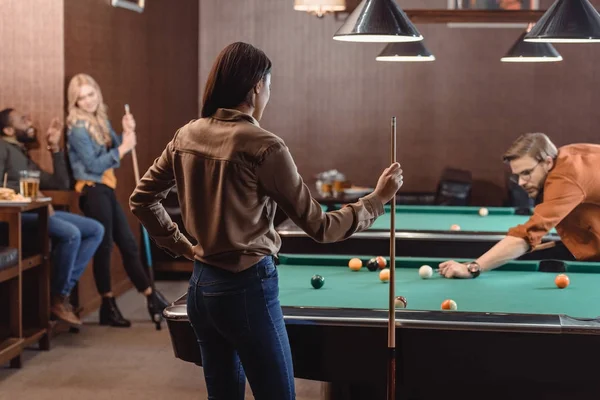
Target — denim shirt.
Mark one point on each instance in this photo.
(88, 158)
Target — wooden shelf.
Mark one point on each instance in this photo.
(9, 273)
(10, 348)
(31, 262)
(33, 335)
(443, 16)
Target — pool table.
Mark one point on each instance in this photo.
(514, 335)
(421, 231)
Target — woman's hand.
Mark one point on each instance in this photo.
(128, 143)
(128, 123)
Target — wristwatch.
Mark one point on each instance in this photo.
(474, 269)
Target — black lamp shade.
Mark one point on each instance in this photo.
(567, 21)
(409, 51)
(378, 21)
(523, 51)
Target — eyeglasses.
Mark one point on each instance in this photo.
(525, 175)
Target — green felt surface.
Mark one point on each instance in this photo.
(441, 218)
(517, 287)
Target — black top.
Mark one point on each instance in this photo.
(14, 158)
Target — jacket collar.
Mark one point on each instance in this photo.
(13, 141)
(227, 114)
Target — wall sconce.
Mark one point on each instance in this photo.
(320, 7)
(133, 5)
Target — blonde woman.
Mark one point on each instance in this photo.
(95, 151)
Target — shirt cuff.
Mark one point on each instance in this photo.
(115, 154)
(175, 245)
(372, 208)
(522, 233)
(374, 204)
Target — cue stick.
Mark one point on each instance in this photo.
(392, 302)
(136, 170)
(157, 318)
(543, 246)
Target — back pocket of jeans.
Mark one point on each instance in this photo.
(228, 313)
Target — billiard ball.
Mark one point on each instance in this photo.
(483, 211)
(401, 302)
(372, 265)
(355, 264)
(425, 272)
(384, 275)
(449, 305)
(455, 227)
(317, 281)
(381, 262)
(561, 281)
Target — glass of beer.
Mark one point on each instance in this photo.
(29, 183)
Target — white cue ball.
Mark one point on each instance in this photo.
(455, 227)
(425, 272)
(483, 211)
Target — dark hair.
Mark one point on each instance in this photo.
(238, 68)
(5, 120)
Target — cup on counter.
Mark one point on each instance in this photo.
(29, 183)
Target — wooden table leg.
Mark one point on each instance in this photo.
(44, 278)
(15, 285)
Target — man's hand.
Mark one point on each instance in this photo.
(453, 269)
(54, 134)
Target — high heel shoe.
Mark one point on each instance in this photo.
(156, 305)
(110, 314)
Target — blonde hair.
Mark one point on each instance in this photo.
(536, 145)
(97, 123)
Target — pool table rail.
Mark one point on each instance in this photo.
(410, 319)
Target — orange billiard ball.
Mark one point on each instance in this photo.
(381, 262)
(355, 264)
(561, 281)
(455, 227)
(384, 275)
(449, 305)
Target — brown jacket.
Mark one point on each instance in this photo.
(231, 175)
(571, 203)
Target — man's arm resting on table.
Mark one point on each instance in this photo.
(509, 248)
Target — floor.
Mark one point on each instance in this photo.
(112, 363)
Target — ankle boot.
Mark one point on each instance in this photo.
(110, 314)
(156, 304)
(62, 311)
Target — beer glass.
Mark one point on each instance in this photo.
(29, 183)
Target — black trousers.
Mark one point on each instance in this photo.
(100, 203)
(558, 252)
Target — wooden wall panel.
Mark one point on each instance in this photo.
(32, 67)
(332, 102)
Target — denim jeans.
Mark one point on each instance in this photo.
(74, 240)
(239, 325)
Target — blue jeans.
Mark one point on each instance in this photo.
(74, 240)
(239, 325)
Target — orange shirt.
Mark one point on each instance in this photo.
(571, 203)
(108, 178)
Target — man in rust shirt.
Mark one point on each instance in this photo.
(566, 183)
